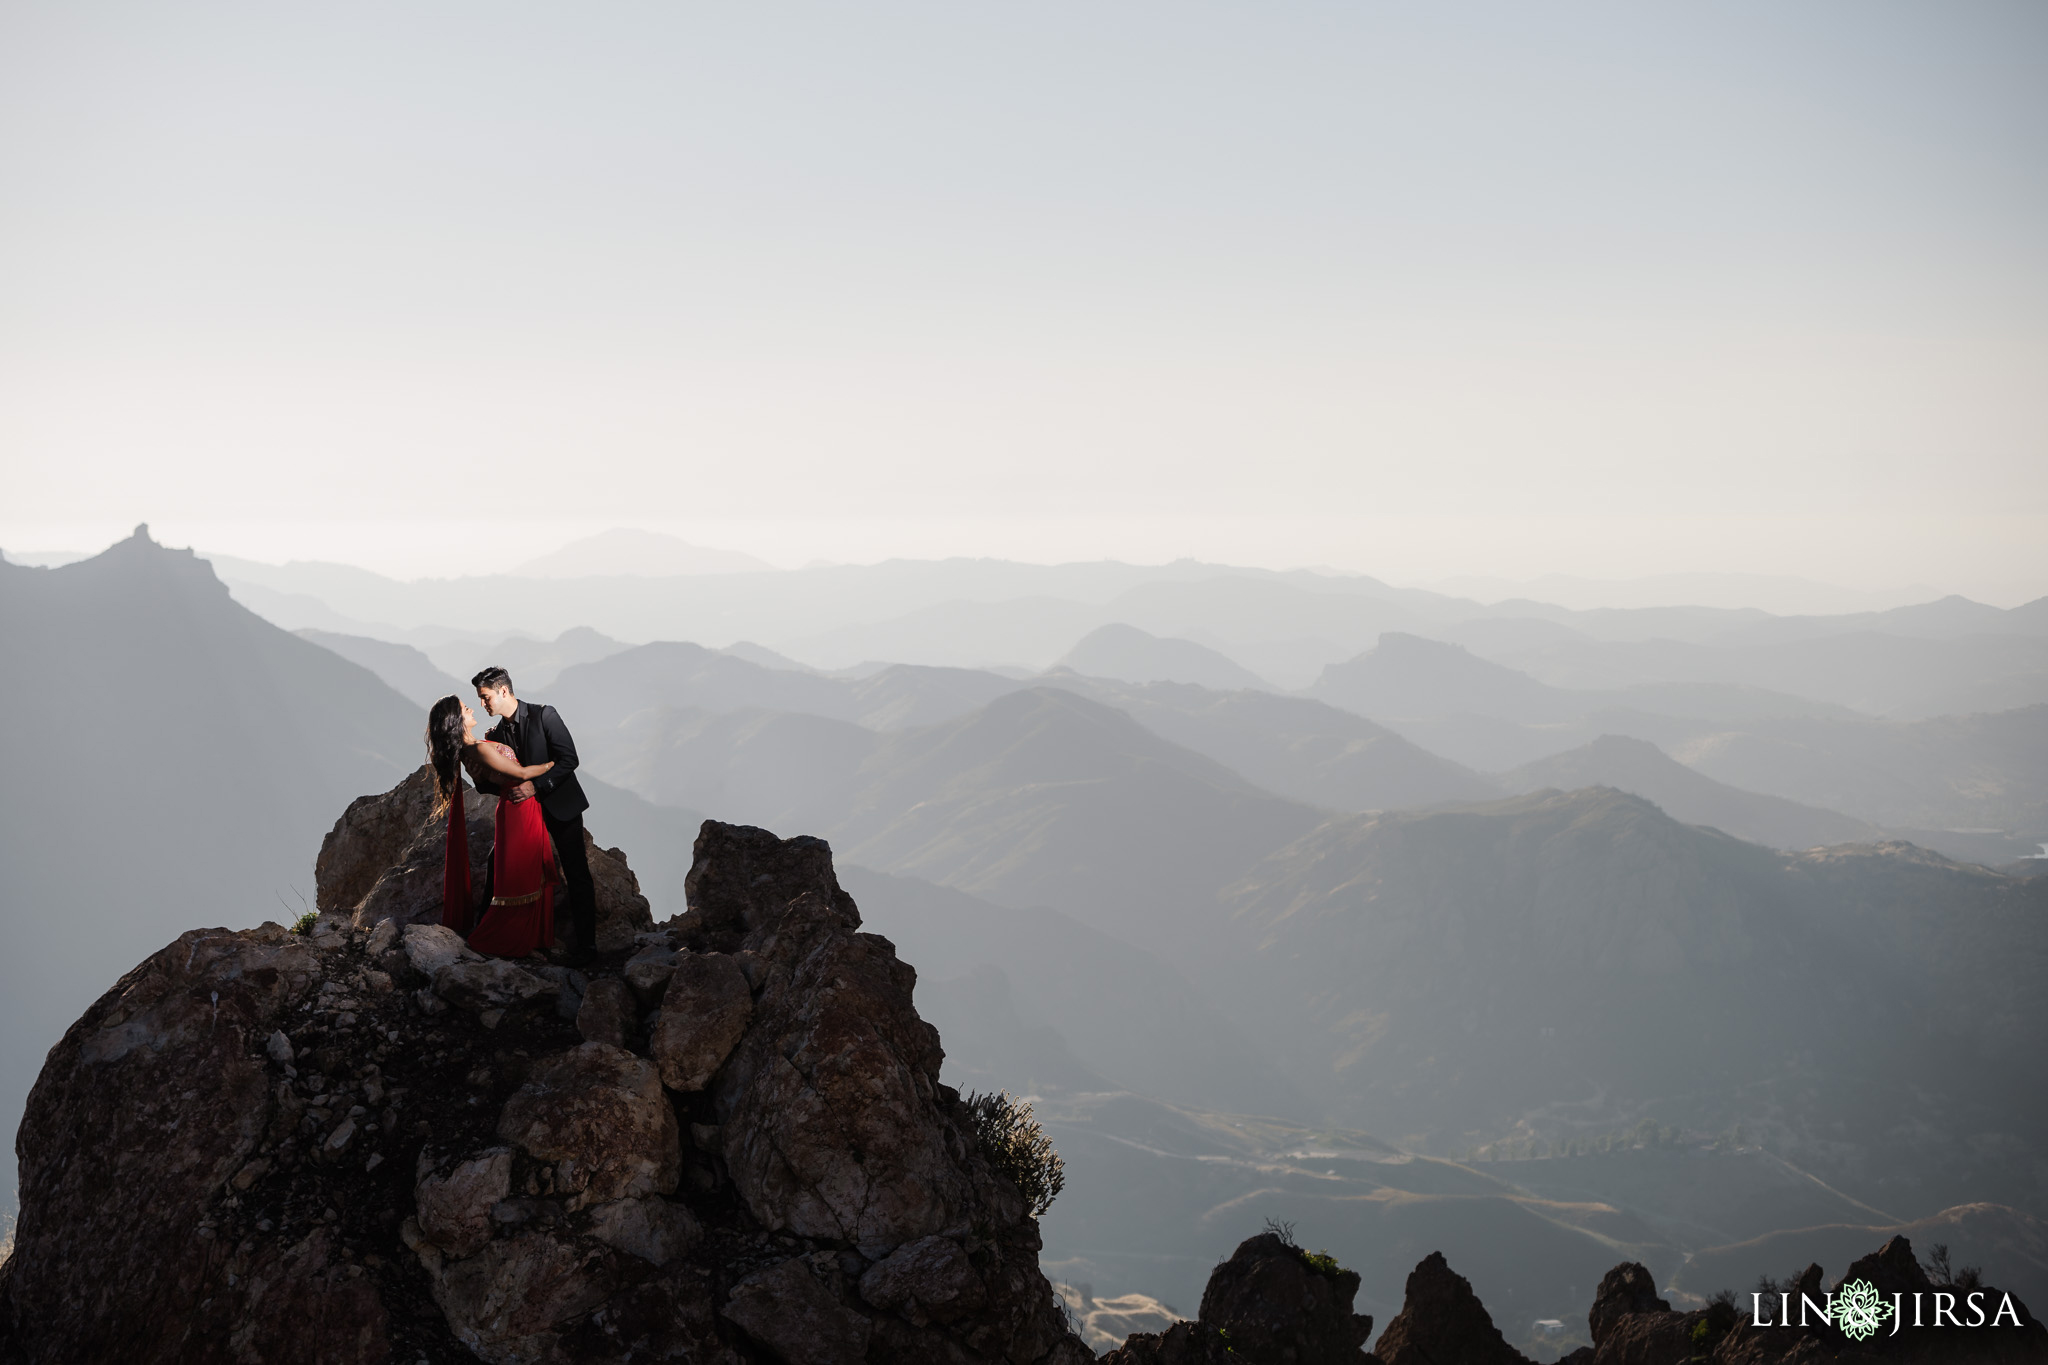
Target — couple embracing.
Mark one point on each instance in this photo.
(528, 761)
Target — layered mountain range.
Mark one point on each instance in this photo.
(1259, 954)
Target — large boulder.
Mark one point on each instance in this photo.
(833, 1122)
(454, 1210)
(385, 856)
(743, 878)
(1270, 1301)
(133, 1147)
(621, 910)
(704, 1014)
(800, 1320)
(492, 984)
(262, 1147)
(929, 1280)
(598, 1113)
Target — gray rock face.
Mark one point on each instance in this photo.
(703, 1017)
(454, 1210)
(492, 984)
(165, 1085)
(383, 858)
(743, 878)
(788, 1311)
(830, 1114)
(598, 1113)
(430, 947)
(324, 1135)
(622, 911)
(648, 972)
(655, 1230)
(508, 1302)
(607, 1012)
(929, 1280)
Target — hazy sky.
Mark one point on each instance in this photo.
(1417, 289)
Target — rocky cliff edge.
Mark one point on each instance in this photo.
(727, 1143)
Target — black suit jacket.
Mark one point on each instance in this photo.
(536, 734)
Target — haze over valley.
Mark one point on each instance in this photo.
(1432, 951)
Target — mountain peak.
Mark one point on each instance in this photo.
(1128, 654)
(1411, 675)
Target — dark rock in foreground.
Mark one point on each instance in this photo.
(1442, 1321)
(1269, 1301)
(367, 1145)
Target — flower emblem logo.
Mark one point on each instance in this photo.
(1858, 1310)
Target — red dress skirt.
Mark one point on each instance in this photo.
(521, 916)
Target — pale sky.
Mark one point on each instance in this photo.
(1417, 290)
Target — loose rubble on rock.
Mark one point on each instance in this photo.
(725, 1142)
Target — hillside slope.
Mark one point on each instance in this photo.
(1563, 964)
(173, 759)
(1642, 769)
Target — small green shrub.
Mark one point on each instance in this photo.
(1321, 1262)
(1014, 1143)
(304, 923)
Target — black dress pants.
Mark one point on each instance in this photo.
(577, 905)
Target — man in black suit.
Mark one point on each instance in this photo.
(537, 735)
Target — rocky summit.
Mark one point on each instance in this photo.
(725, 1142)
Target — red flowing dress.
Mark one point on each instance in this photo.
(521, 917)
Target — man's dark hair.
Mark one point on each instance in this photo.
(494, 677)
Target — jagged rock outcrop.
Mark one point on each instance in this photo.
(1441, 1320)
(1631, 1325)
(1627, 1289)
(383, 860)
(1269, 1302)
(368, 1145)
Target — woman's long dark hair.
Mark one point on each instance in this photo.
(444, 745)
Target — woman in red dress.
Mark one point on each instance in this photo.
(521, 917)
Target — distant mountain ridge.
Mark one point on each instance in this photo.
(1566, 959)
(1642, 769)
(1132, 655)
(408, 671)
(1921, 780)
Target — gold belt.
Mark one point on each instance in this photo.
(527, 899)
